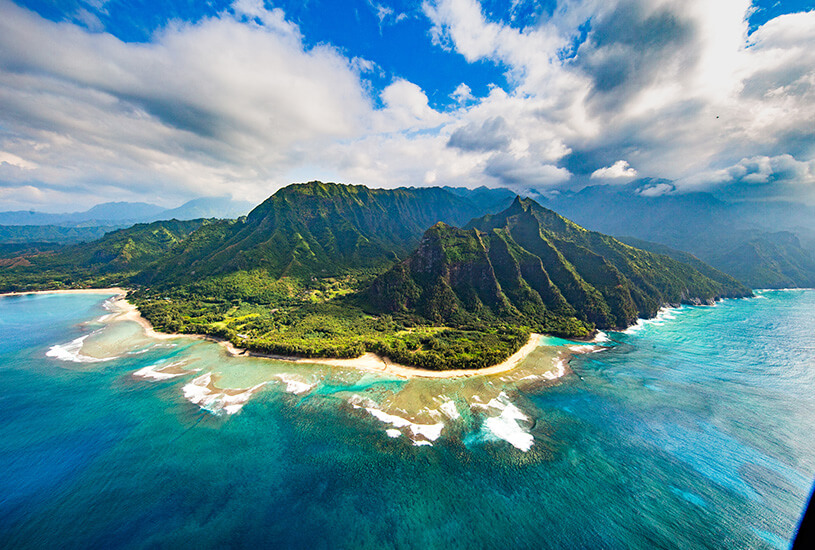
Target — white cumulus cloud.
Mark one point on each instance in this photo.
(238, 104)
(618, 170)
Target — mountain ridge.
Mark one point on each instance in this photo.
(742, 239)
(320, 229)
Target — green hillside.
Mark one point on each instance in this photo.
(763, 244)
(769, 260)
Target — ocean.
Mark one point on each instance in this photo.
(692, 430)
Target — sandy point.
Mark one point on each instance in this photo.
(369, 362)
(115, 290)
(128, 312)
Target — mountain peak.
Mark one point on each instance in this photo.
(327, 228)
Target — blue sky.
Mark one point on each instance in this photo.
(167, 100)
(394, 35)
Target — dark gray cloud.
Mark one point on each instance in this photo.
(490, 135)
(522, 173)
(631, 46)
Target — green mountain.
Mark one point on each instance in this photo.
(764, 260)
(529, 265)
(491, 199)
(679, 255)
(316, 229)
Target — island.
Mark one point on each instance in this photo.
(425, 277)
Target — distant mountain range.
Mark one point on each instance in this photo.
(53, 234)
(763, 244)
(128, 213)
(110, 259)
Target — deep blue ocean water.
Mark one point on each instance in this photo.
(691, 431)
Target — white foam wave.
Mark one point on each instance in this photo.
(359, 402)
(200, 391)
(665, 313)
(505, 426)
(72, 351)
(430, 432)
(600, 337)
(763, 290)
(157, 371)
(558, 371)
(450, 411)
(636, 327)
(587, 348)
(553, 374)
(295, 385)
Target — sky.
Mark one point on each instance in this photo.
(167, 100)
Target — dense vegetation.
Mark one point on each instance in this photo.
(327, 270)
(458, 277)
(319, 318)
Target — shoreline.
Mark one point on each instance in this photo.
(372, 362)
(368, 362)
(118, 291)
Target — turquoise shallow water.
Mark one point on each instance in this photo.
(691, 431)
